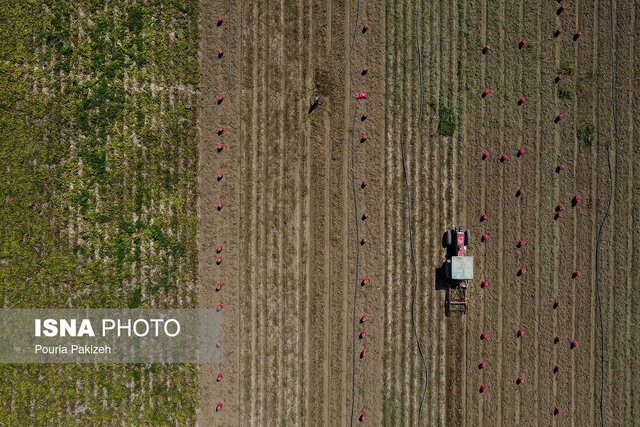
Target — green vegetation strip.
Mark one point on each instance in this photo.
(99, 162)
(447, 121)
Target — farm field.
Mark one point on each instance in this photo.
(301, 263)
(98, 192)
(166, 154)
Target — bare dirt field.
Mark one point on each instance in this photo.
(301, 263)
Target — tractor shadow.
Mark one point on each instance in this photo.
(440, 279)
(440, 282)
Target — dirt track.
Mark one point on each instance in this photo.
(292, 221)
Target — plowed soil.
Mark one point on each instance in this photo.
(297, 247)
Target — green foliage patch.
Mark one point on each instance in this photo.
(586, 135)
(565, 92)
(567, 68)
(99, 192)
(447, 121)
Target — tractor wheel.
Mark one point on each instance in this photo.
(448, 238)
(467, 237)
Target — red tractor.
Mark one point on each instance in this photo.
(458, 269)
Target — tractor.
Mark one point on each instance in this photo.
(458, 269)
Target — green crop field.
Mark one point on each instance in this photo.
(99, 160)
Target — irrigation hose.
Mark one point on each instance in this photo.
(415, 278)
(608, 209)
(411, 241)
